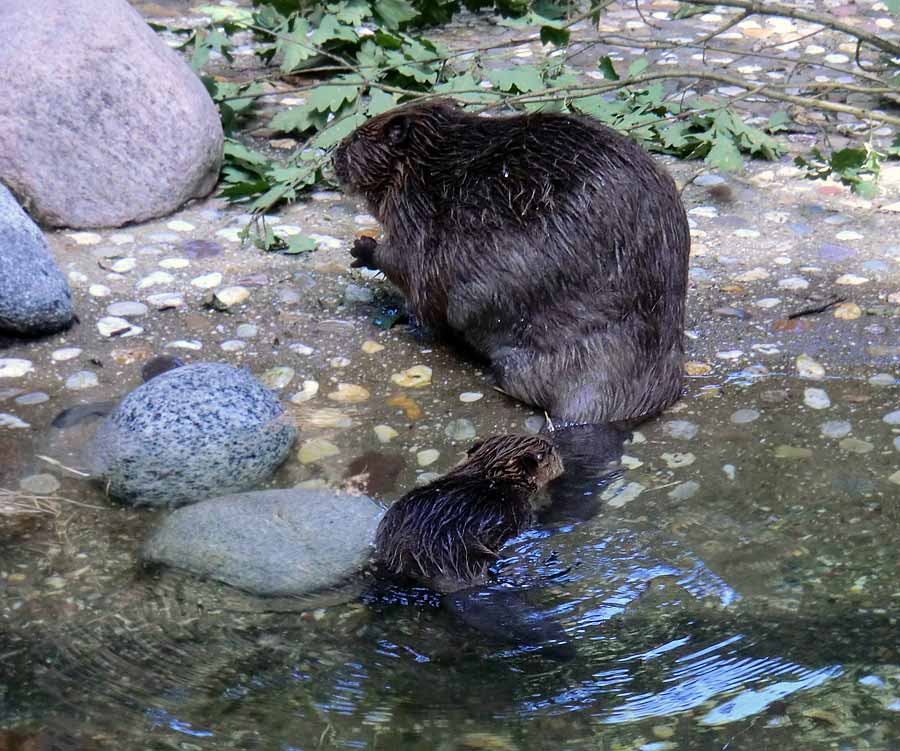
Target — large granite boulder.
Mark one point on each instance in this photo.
(34, 294)
(272, 542)
(101, 123)
(188, 434)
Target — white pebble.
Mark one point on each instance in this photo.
(310, 389)
(892, 418)
(83, 379)
(247, 330)
(816, 398)
(426, 457)
(729, 470)
(179, 225)
(233, 345)
(882, 379)
(228, 297)
(99, 290)
(191, 344)
(157, 277)
(66, 353)
(231, 234)
(793, 282)
(42, 484)
(385, 433)
(835, 428)
(14, 367)
(678, 459)
(848, 235)
(207, 281)
(11, 421)
(110, 326)
(77, 278)
(339, 362)
(470, 396)
(620, 493)
(278, 377)
(684, 491)
(856, 446)
(743, 416)
(327, 242)
(85, 238)
(166, 300)
(127, 309)
(746, 233)
(300, 349)
(680, 429)
(174, 263)
(121, 238)
(35, 397)
(809, 368)
(850, 280)
(122, 265)
(730, 354)
(768, 302)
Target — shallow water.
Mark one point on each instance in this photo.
(741, 612)
(736, 588)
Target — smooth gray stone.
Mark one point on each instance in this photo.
(101, 123)
(270, 542)
(34, 295)
(191, 433)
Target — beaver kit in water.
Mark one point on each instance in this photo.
(447, 533)
(551, 245)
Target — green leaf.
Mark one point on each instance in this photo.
(893, 6)
(352, 12)
(848, 159)
(330, 97)
(675, 136)
(777, 121)
(295, 46)
(689, 11)
(522, 78)
(297, 244)
(380, 101)
(724, 154)
(330, 29)
(341, 128)
(474, 93)
(638, 67)
(219, 13)
(297, 119)
(235, 151)
(867, 189)
(238, 191)
(394, 13)
(607, 69)
(553, 35)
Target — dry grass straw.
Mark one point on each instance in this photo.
(15, 503)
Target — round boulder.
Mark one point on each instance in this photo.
(271, 542)
(101, 123)
(34, 295)
(188, 434)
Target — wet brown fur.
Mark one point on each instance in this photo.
(447, 533)
(551, 245)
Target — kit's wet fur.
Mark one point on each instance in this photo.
(447, 533)
(551, 245)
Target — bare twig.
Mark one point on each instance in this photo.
(813, 310)
(754, 7)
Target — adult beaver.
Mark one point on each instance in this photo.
(551, 245)
(447, 533)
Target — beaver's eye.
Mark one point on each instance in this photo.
(540, 457)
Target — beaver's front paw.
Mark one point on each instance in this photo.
(363, 252)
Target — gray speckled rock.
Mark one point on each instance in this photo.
(105, 124)
(34, 295)
(188, 434)
(271, 542)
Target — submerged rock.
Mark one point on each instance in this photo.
(105, 124)
(270, 542)
(191, 433)
(34, 295)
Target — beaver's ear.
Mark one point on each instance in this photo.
(530, 463)
(397, 131)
